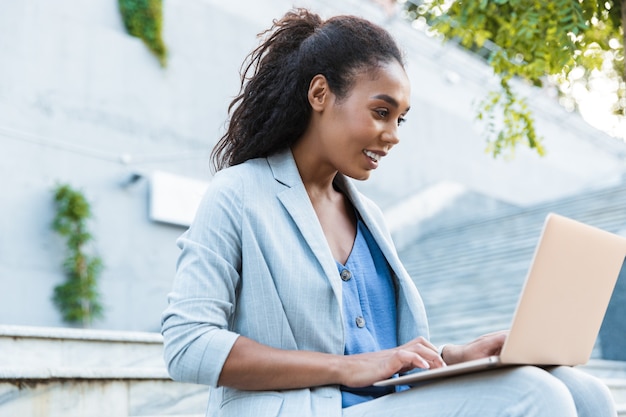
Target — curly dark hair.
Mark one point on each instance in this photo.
(272, 111)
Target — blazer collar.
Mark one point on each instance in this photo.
(284, 169)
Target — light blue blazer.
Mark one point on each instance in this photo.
(255, 262)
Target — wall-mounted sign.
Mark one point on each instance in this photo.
(174, 198)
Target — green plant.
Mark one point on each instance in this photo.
(77, 299)
(144, 19)
(563, 44)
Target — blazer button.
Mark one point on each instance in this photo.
(346, 275)
(360, 322)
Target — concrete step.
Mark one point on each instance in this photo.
(605, 369)
(50, 347)
(124, 397)
(59, 372)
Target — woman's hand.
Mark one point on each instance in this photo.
(487, 345)
(366, 368)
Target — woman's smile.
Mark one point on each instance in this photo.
(373, 156)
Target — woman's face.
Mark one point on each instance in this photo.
(357, 131)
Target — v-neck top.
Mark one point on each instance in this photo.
(369, 307)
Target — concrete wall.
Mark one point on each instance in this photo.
(83, 102)
(78, 98)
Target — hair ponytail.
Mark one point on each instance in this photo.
(272, 111)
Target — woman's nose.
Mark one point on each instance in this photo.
(390, 136)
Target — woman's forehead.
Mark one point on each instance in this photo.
(388, 81)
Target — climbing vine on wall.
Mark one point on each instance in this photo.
(144, 19)
(77, 298)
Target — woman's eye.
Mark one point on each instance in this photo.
(401, 120)
(382, 113)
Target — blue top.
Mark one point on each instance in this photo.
(369, 307)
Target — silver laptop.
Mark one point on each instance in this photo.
(562, 305)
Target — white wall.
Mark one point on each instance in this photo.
(83, 102)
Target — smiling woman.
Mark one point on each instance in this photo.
(289, 296)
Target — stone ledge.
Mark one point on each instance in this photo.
(42, 374)
(79, 334)
(101, 397)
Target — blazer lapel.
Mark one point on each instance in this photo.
(297, 203)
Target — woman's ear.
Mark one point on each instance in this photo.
(319, 93)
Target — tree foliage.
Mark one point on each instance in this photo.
(537, 41)
(77, 298)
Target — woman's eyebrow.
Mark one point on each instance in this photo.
(390, 100)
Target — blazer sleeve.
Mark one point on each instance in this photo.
(195, 325)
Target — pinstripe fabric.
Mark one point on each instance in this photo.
(255, 262)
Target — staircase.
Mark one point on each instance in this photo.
(470, 274)
(59, 372)
(485, 261)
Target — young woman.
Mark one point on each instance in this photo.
(289, 298)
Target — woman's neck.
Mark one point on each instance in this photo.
(316, 175)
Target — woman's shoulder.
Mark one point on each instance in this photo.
(241, 173)
(231, 189)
